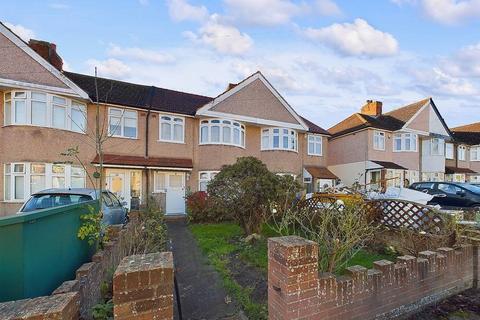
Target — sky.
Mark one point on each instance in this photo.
(325, 57)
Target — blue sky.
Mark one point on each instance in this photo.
(326, 57)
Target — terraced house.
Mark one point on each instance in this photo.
(463, 154)
(395, 148)
(160, 142)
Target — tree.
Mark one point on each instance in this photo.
(249, 192)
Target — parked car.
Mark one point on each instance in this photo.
(113, 210)
(450, 195)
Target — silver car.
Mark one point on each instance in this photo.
(113, 210)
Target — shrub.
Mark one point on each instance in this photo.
(201, 210)
(248, 192)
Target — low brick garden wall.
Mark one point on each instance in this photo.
(75, 298)
(296, 290)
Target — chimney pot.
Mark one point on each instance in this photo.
(372, 108)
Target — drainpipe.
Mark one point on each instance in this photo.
(147, 126)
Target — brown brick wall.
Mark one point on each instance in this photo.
(297, 291)
(143, 287)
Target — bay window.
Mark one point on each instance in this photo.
(204, 177)
(122, 123)
(172, 129)
(23, 179)
(475, 153)
(44, 110)
(405, 142)
(461, 153)
(379, 140)
(314, 145)
(279, 139)
(222, 131)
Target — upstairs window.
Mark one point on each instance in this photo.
(449, 150)
(222, 131)
(475, 153)
(279, 139)
(405, 142)
(122, 123)
(461, 153)
(437, 146)
(314, 145)
(379, 140)
(172, 129)
(44, 110)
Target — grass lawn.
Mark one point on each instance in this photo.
(220, 241)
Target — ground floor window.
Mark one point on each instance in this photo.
(23, 179)
(394, 178)
(322, 185)
(204, 177)
(455, 177)
(433, 176)
(375, 179)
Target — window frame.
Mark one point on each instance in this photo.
(122, 122)
(49, 110)
(210, 178)
(447, 154)
(315, 136)
(222, 124)
(462, 153)
(377, 134)
(477, 151)
(403, 138)
(281, 136)
(172, 128)
(439, 142)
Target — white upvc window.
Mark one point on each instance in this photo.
(449, 150)
(315, 147)
(405, 142)
(461, 153)
(475, 153)
(437, 147)
(23, 179)
(222, 131)
(279, 139)
(172, 128)
(122, 123)
(204, 178)
(379, 140)
(42, 109)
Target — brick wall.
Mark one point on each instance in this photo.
(297, 291)
(143, 287)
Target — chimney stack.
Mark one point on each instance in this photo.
(372, 108)
(231, 86)
(47, 51)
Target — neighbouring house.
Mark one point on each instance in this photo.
(463, 154)
(161, 142)
(396, 148)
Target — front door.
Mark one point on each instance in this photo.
(175, 198)
(126, 185)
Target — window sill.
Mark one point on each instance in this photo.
(221, 144)
(122, 137)
(13, 201)
(400, 151)
(314, 155)
(382, 150)
(282, 150)
(171, 141)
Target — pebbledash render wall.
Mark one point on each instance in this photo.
(296, 290)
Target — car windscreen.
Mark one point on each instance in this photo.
(44, 201)
(471, 188)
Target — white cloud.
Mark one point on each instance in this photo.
(110, 68)
(181, 10)
(58, 6)
(263, 12)
(139, 54)
(328, 8)
(437, 82)
(21, 31)
(223, 38)
(464, 63)
(355, 39)
(402, 2)
(452, 11)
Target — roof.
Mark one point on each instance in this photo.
(113, 159)
(452, 170)
(468, 134)
(320, 172)
(389, 165)
(391, 121)
(139, 96)
(313, 128)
